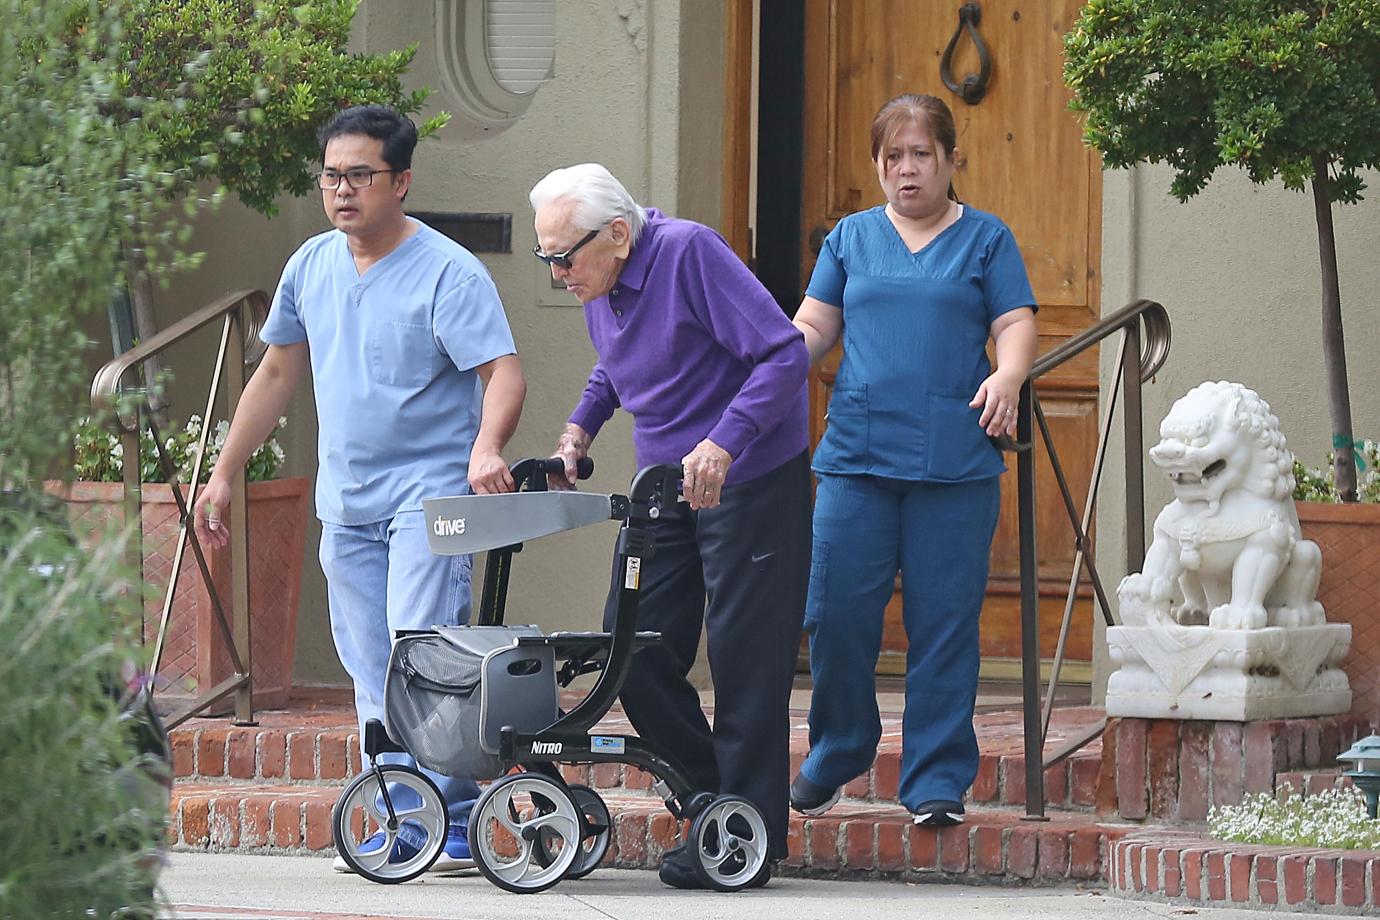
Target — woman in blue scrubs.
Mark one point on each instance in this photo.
(908, 475)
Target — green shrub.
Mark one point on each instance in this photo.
(81, 812)
(1282, 89)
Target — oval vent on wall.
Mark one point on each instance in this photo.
(494, 55)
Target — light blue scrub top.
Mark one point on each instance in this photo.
(393, 354)
(915, 329)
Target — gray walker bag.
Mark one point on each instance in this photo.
(450, 691)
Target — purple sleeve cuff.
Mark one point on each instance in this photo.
(733, 433)
(590, 416)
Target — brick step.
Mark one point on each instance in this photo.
(853, 839)
(279, 751)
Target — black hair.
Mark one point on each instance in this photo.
(398, 133)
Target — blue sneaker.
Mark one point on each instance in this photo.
(403, 850)
(456, 853)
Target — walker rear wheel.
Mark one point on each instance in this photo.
(421, 820)
(594, 842)
(728, 843)
(524, 833)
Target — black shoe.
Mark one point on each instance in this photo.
(938, 813)
(809, 798)
(677, 871)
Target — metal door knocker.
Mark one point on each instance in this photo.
(974, 85)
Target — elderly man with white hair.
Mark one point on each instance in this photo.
(713, 373)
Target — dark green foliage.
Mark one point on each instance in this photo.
(81, 810)
(1286, 89)
(80, 814)
(249, 82)
(74, 176)
(1260, 84)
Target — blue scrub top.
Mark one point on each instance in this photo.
(393, 353)
(915, 330)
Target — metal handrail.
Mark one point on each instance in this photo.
(241, 315)
(1143, 348)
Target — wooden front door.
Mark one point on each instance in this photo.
(1025, 163)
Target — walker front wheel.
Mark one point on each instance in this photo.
(524, 833)
(411, 839)
(728, 843)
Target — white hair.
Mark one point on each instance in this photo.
(597, 195)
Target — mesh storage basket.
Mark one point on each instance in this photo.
(450, 691)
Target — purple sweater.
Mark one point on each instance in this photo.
(694, 347)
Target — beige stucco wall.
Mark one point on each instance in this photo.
(637, 86)
(1237, 268)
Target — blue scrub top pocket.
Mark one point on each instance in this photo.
(845, 444)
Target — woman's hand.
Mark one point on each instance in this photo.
(999, 395)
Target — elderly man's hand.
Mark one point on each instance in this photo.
(572, 447)
(706, 467)
(488, 473)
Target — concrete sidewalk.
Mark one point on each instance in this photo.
(237, 887)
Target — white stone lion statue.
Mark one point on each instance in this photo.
(1228, 551)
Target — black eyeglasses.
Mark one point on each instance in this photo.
(359, 178)
(562, 259)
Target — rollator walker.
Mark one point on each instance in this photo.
(481, 701)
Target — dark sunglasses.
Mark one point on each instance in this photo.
(562, 259)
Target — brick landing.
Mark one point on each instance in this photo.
(270, 789)
(315, 742)
(854, 839)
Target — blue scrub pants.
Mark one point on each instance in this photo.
(383, 577)
(939, 536)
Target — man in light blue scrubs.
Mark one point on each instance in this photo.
(399, 325)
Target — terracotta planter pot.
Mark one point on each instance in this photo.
(1349, 536)
(195, 656)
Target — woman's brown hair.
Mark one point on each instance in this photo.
(929, 112)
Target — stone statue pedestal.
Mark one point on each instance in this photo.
(1198, 672)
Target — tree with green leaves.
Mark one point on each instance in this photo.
(1284, 89)
(82, 810)
(243, 86)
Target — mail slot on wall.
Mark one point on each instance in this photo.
(476, 232)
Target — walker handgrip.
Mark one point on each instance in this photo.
(584, 468)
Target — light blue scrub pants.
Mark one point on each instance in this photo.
(939, 536)
(383, 577)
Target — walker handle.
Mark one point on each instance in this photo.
(529, 474)
(584, 468)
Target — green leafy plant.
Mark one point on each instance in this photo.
(232, 92)
(98, 454)
(1286, 89)
(1313, 484)
(81, 810)
(1334, 819)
